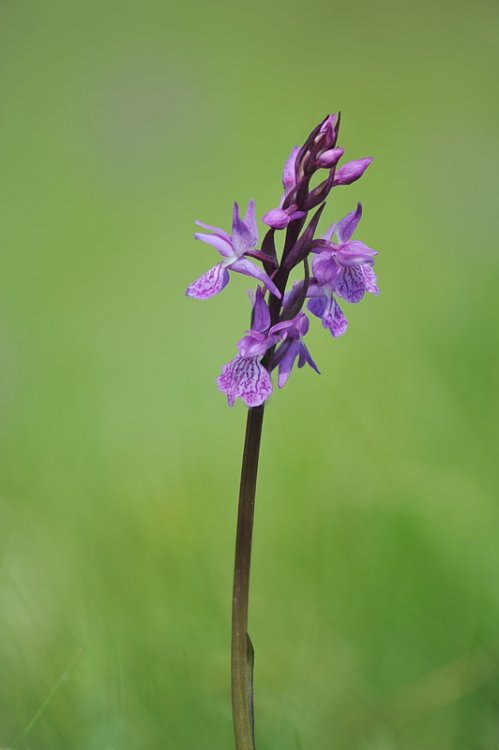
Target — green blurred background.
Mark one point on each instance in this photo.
(375, 596)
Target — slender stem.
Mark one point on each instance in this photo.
(242, 650)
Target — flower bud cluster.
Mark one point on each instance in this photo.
(341, 268)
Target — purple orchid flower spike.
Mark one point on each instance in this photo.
(334, 266)
(232, 248)
(292, 347)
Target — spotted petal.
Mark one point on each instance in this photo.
(246, 378)
(210, 283)
(370, 280)
(354, 281)
(330, 313)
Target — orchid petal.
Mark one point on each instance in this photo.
(243, 238)
(287, 361)
(347, 226)
(254, 344)
(250, 221)
(294, 327)
(306, 358)
(355, 253)
(351, 283)
(246, 378)
(241, 265)
(329, 232)
(330, 313)
(317, 305)
(261, 314)
(334, 319)
(223, 246)
(370, 280)
(325, 269)
(219, 232)
(315, 290)
(210, 283)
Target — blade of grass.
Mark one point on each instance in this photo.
(25, 732)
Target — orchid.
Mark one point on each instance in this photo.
(335, 266)
(341, 268)
(345, 265)
(232, 248)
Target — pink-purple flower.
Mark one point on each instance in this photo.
(342, 267)
(245, 376)
(233, 249)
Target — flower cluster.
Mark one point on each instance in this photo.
(341, 267)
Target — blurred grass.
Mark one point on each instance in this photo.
(376, 557)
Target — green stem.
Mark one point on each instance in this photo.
(242, 650)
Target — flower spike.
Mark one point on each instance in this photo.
(335, 267)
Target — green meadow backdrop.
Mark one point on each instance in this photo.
(375, 596)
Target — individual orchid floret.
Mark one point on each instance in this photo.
(232, 248)
(292, 348)
(259, 339)
(351, 171)
(244, 376)
(345, 265)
